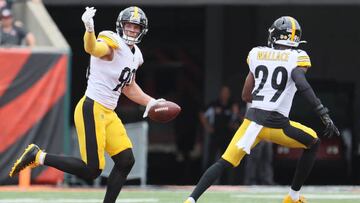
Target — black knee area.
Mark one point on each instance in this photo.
(124, 161)
(224, 164)
(315, 144)
(91, 173)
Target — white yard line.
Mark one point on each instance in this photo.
(304, 189)
(38, 200)
(308, 196)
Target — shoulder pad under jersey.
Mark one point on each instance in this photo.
(110, 38)
(303, 59)
(251, 52)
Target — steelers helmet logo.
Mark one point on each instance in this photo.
(285, 31)
(135, 17)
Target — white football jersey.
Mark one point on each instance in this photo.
(274, 88)
(107, 78)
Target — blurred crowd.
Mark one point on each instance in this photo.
(12, 31)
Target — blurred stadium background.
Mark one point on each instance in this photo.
(191, 49)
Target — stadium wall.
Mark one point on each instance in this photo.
(33, 107)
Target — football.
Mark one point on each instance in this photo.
(164, 111)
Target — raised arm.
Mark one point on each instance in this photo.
(96, 48)
(91, 45)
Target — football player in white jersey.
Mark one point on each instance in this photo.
(113, 64)
(276, 73)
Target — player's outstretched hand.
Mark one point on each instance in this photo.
(87, 18)
(151, 103)
(330, 128)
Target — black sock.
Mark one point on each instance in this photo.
(209, 177)
(304, 166)
(124, 161)
(115, 182)
(71, 165)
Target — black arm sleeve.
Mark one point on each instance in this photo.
(298, 75)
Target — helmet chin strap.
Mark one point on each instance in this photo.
(131, 40)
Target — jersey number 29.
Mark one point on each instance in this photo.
(278, 86)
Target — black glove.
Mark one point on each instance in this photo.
(330, 128)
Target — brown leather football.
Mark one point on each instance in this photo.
(164, 111)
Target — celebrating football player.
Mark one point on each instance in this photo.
(113, 64)
(276, 73)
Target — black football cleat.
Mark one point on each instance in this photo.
(28, 158)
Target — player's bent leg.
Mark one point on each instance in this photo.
(231, 158)
(72, 165)
(233, 154)
(90, 129)
(119, 147)
(124, 161)
(208, 178)
(29, 158)
(296, 135)
(301, 134)
(307, 137)
(304, 166)
(303, 169)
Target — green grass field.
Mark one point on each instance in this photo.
(239, 194)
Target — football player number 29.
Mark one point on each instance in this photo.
(279, 86)
(125, 78)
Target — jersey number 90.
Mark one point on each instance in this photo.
(125, 78)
